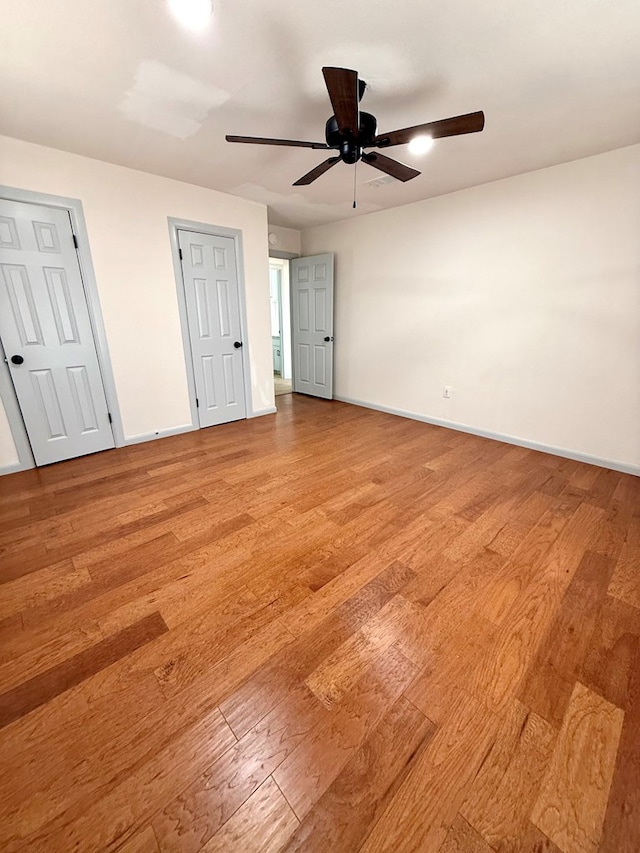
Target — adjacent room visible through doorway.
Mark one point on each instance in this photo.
(279, 294)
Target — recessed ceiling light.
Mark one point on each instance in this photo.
(194, 14)
(420, 144)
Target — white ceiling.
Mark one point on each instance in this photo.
(121, 81)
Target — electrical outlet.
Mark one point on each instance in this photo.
(446, 391)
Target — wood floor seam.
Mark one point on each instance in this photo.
(275, 782)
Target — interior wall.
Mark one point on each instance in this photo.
(8, 453)
(523, 295)
(126, 215)
(287, 239)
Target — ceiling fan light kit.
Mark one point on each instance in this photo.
(421, 144)
(350, 131)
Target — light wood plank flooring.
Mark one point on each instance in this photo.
(326, 630)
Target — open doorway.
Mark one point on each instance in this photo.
(279, 295)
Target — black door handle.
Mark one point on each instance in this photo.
(237, 344)
(327, 339)
(17, 359)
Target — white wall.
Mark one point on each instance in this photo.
(126, 214)
(8, 453)
(523, 295)
(288, 239)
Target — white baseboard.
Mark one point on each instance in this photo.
(14, 467)
(137, 439)
(623, 467)
(161, 433)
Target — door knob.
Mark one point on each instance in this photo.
(327, 339)
(237, 344)
(16, 359)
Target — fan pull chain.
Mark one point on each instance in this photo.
(355, 166)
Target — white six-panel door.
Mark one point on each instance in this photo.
(47, 336)
(215, 330)
(312, 325)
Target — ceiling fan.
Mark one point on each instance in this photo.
(350, 131)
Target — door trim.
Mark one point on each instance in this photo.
(282, 256)
(288, 257)
(235, 234)
(74, 207)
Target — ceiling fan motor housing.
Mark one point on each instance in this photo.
(350, 145)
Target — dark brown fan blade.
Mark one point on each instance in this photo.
(261, 140)
(342, 85)
(391, 167)
(310, 177)
(469, 123)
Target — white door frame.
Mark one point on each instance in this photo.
(235, 234)
(288, 257)
(283, 265)
(7, 391)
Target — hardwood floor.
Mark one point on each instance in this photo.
(327, 630)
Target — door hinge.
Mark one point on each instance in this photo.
(75, 240)
(197, 403)
(180, 252)
(110, 418)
